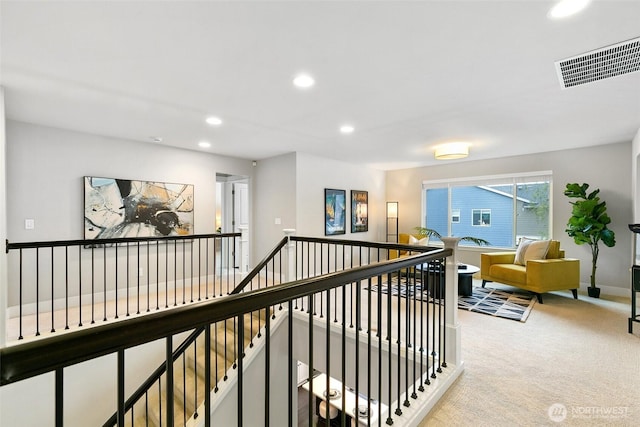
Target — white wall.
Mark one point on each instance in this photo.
(275, 197)
(314, 174)
(635, 176)
(3, 222)
(606, 167)
(45, 167)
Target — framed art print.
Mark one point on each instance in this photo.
(115, 208)
(359, 211)
(334, 211)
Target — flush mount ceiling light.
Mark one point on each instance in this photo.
(204, 144)
(452, 151)
(346, 129)
(214, 121)
(565, 8)
(303, 81)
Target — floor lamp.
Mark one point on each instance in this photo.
(392, 222)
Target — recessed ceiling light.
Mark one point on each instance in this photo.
(204, 144)
(303, 81)
(346, 129)
(214, 121)
(565, 8)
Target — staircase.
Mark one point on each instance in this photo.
(188, 374)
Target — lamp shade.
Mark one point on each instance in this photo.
(392, 209)
(451, 151)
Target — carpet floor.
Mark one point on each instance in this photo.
(572, 363)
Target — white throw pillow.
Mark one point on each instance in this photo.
(421, 242)
(531, 249)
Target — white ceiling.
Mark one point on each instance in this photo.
(408, 75)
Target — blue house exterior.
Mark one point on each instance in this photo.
(483, 212)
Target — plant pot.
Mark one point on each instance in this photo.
(593, 292)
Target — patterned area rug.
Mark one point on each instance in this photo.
(494, 302)
(506, 304)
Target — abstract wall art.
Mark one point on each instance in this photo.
(117, 208)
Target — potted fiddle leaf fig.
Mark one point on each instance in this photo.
(588, 224)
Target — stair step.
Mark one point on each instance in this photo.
(145, 412)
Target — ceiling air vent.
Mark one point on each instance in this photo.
(610, 61)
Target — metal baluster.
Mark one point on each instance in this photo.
(66, 286)
(207, 375)
(184, 389)
(369, 283)
(59, 397)
(442, 359)
(80, 284)
(310, 395)
(398, 341)
(104, 283)
(20, 297)
(215, 344)
(390, 352)
(138, 278)
(327, 354)
(116, 287)
(206, 267)
(199, 269)
(240, 349)
(423, 283)
(357, 344)
(52, 291)
(184, 273)
(37, 291)
(169, 375)
(128, 281)
(267, 368)
(343, 415)
(120, 385)
(379, 335)
(148, 281)
(175, 273)
(291, 380)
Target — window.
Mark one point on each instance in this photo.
(480, 217)
(455, 216)
(499, 209)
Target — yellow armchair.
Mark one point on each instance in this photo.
(404, 239)
(554, 273)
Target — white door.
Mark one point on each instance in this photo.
(241, 222)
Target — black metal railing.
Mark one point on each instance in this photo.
(312, 257)
(393, 362)
(402, 331)
(66, 284)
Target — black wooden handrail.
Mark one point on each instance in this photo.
(260, 266)
(27, 360)
(118, 240)
(376, 245)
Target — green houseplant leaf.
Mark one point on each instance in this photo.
(588, 222)
(424, 232)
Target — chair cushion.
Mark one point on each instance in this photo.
(554, 250)
(531, 249)
(510, 273)
(421, 242)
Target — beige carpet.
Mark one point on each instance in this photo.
(573, 355)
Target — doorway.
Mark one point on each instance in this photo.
(232, 215)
